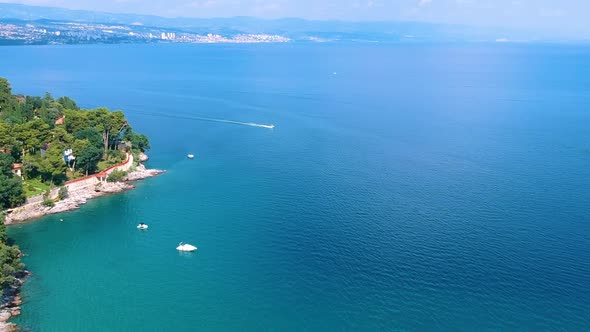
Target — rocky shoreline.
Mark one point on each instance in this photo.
(10, 304)
(80, 197)
(10, 301)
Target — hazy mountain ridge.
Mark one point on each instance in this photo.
(292, 28)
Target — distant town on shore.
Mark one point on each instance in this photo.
(34, 25)
(62, 32)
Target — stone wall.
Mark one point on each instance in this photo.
(83, 183)
(91, 180)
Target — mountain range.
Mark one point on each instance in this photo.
(292, 28)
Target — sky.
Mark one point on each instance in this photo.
(565, 17)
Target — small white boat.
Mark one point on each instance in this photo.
(190, 156)
(142, 226)
(185, 247)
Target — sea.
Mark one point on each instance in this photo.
(404, 187)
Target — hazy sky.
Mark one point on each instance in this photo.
(560, 16)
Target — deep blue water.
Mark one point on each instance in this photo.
(404, 188)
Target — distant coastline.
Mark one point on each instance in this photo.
(33, 25)
(20, 32)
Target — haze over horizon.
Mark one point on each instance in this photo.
(566, 19)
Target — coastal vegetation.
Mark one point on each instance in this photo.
(116, 176)
(45, 142)
(10, 265)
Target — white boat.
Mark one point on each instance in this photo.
(190, 156)
(185, 247)
(142, 226)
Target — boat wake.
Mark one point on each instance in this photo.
(179, 116)
(251, 124)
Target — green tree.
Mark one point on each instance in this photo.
(50, 110)
(7, 100)
(30, 106)
(31, 135)
(138, 141)
(87, 159)
(5, 92)
(48, 99)
(6, 162)
(6, 137)
(11, 266)
(92, 135)
(11, 191)
(36, 101)
(52, 165)
(68, 103)
(61, 135)
(3, 233)
(31, 165)
(110, 124)
(76, 121)
(49, 114)
(118, 129)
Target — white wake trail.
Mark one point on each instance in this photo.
(251, 124)
(199, 118)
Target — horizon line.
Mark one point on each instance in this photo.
(230, 17)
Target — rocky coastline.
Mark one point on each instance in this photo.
(11, 301)
(10, 304)
(80, 197)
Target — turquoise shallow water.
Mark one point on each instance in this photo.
(419, 188)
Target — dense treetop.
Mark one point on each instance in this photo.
(11, 266)
(52, 140)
